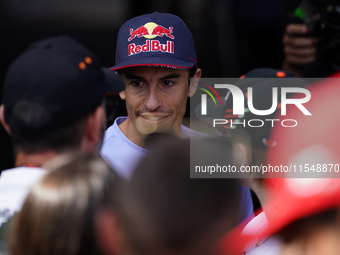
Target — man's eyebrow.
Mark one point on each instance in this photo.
(131, 76)
(171, 76)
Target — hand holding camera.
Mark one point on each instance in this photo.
(311, 43)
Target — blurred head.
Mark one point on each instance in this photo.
(56, 89)
(164, 211)
(58, 215)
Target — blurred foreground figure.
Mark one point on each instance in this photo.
(59, 213)
(164, 211)
(53, 103)
(302, 210)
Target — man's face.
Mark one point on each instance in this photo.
(155, 99)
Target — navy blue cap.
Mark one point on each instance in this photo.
(156, 39)
(61, 75)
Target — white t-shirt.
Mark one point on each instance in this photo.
(15, 184)
(123, 155)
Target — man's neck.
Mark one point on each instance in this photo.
(134, 136)
(33, 159)
(131, 133)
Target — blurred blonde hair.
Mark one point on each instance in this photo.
(58, 214)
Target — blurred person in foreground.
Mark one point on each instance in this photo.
(53, 103)
(60, 211)
(303, 204)
(302, 218)
(164, 211)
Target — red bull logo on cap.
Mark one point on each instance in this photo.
(151, 30)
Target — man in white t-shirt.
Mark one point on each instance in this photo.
(53, 102)
(156, 59)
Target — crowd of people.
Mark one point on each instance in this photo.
(80, 187)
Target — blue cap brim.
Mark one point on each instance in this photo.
(155, 61)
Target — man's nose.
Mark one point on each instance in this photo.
(153, 102)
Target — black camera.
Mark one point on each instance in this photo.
(322, 17)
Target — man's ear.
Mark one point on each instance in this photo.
(108, 232)
(2, 119)
(122, 95)
(194, 82)
(95, 123)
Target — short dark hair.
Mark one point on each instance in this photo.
(192, 71)
(34, 137)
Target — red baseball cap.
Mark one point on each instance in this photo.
(294, 198)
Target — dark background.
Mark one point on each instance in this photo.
(231, 36)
